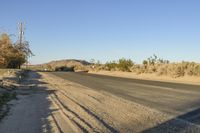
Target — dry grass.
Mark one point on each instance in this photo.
(8, 72)
(173, 70)
(153, 65)
(153, 68)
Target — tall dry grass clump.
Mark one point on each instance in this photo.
(176, 70)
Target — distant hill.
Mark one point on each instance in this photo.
(68, 62)
(78, 64)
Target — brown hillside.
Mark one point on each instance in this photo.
(78, 64)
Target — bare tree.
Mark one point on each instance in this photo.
(25, 49)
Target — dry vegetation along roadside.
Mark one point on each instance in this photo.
(153, 68)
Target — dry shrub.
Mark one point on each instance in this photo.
(138, 69)
(162, 70)
(191, 68)
(12, 55)
(111, 66)
(155, 65)
(175, 70)
(179, 69)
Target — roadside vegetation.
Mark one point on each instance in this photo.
(152, 65)
(123, 64)
(13, 55)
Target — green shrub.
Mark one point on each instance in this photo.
(125, 65)
(111, 66)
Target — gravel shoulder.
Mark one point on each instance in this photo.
(47, 103)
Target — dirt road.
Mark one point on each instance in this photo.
(47, 103)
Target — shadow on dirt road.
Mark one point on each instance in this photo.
(31, 112)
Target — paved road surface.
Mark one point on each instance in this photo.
(173, 98)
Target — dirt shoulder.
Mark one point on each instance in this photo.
(47, 103)
(186, 79)
(98, 111)
(8, 82)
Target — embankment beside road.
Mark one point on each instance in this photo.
(185, 79)
(9, 81)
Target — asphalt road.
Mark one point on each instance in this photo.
(172, 98)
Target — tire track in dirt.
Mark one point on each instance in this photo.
(97, 124)
(56, 123)
(110, 128)
(66, 115)
(73, 113)
(87, 115)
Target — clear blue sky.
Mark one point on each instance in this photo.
(106, 29)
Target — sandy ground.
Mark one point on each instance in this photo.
(185, 79)
(50, 104)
